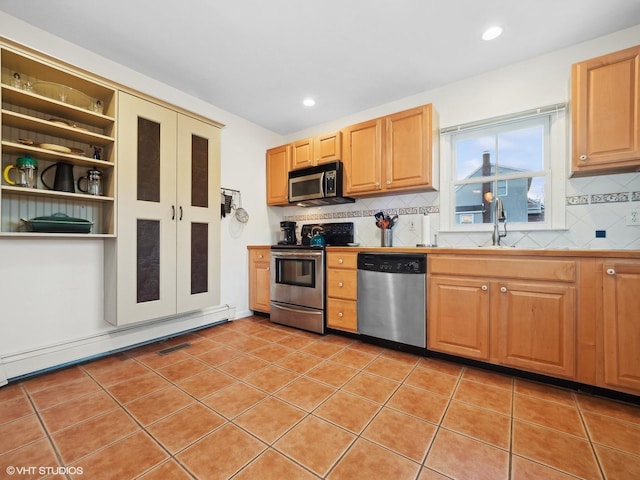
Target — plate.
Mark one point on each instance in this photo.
(55, 148)
(353, 244)
(62, 93)
(64, 123)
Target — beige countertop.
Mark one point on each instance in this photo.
(502, 251)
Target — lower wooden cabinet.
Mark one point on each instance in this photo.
(342, 291)
(260, 279)
(518, 313)
(620, 325)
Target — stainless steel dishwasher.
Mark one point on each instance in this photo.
(392, 302)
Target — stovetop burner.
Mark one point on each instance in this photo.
(335, 234)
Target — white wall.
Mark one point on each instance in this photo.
(51, 290)
(541, 81)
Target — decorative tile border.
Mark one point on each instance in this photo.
(578, 200)
(362, 213)
(604, 198)
(610, 197)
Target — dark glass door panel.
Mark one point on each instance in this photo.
(199, 257)
(148, 160)
(148, 261)
(199, 171)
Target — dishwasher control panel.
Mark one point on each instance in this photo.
(393, 262)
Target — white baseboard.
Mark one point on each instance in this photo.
(40, 359)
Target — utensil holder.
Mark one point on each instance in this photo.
(386, 237)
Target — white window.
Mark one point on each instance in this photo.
(520, 158)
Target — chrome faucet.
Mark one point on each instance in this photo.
(498, 216)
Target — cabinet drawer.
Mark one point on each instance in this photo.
(342, 260)
(259, 254)
(342, 283)
(342, 314)
(487, 266)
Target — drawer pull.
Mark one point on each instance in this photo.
(611, 271)
(340, 284)
(503, 289)
(484, 288)
(260, 256)
(340, 260)
(340, 314)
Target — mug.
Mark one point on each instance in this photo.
(27, 173)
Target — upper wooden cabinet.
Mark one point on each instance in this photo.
(606, 114)
(278, 160)
(316, 150)
(398, 152)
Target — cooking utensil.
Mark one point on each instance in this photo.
(241, 214)
(59, 223)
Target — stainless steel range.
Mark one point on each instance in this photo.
(298, 277)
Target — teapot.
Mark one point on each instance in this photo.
(318, 239)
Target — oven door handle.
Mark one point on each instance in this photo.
(289, 254)
(297, 309)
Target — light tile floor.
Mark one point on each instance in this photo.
(254, 400)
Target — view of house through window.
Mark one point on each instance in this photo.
(505, 160)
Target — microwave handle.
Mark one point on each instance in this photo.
(323, 180)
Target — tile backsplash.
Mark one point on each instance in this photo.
(592, 203)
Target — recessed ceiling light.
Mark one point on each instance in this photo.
(308, 102)
(491, 33)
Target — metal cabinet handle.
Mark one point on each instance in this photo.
(173, 212)
(583, 157)
(180, 213)
(611, 271)
(484, 288)
(503, 289)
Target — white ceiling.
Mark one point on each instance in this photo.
(259, 58)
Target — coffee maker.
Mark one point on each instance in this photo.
(287, 233)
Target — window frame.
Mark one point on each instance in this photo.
(553, 170)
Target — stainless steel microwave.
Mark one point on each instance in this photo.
(317, 186)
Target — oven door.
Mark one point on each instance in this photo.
(307, 187)
(297, 278)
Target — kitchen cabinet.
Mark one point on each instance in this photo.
(520, 314)
(260, 279)
(605, 102)
(278, 162)
(395, 153)
(620, 325)
(166, 258)
(54, 113)
(316, 150)
(342, 291)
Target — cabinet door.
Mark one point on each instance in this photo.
(621, 288)
(328, 147)
(146, 260)
(302, 154)
(458, 320)
(198, 214)
(407, 149)
(606, 113)
(278, 175)
(259, 280)
(534, 327)
(363, 157)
